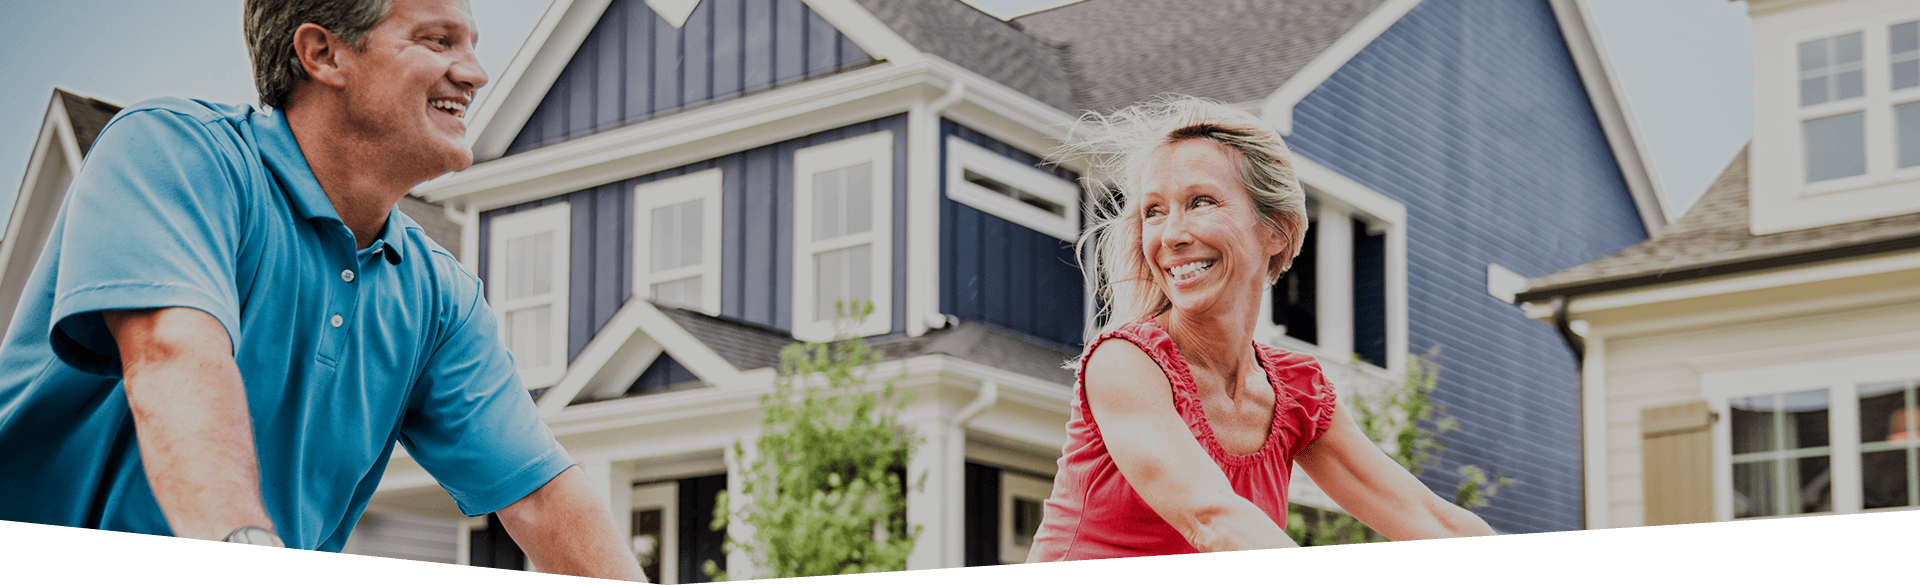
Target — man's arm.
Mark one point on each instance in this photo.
(190, 411)
(1377, 491)
(565, 528)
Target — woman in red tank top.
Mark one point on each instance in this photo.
(1184, 431)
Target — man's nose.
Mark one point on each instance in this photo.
(466, 72)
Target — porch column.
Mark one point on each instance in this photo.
(927, 506)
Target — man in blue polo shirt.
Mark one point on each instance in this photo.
(232, 325)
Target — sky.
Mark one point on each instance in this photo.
(1684, 65)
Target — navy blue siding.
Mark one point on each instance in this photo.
(1473, 115)
(756, 232)
(664, 372)
(634, 65)
(1000, 272)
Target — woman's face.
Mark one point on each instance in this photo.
(1199, 230)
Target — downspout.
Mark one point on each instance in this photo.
(956, 507)
(1563, 324)
(954, 95)
(927, 195)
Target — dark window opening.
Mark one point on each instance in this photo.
(1295, 306)
(1369, 295)
(493, 547)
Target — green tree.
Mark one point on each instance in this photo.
(826, 492)
(1403, 421)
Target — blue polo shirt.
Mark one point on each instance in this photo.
(344, 351)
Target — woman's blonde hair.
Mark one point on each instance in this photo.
(1120, 144)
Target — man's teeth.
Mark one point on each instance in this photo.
(1183, 270)
(450, 106)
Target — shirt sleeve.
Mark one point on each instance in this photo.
(472, 424)
(151, 221)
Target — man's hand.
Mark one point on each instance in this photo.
(190, 411)
(564, 528)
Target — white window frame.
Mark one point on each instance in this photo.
(1783, 199)
(875, 148)
(703, 186)
(556, 218)
(1842, 379)
(963, 156)
(1341, 200)
(1016, 485)
(666, 496)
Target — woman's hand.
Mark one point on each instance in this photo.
(1377, 491)
(1132, 401)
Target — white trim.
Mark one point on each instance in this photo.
(866, 31)
(1736, 284)
(1503, 282)
(1278, 107)
(1015, 485)
(674, 11)
(56, 161)
(556, 219)
(923, 208)
(535, 66)
(704, 186)
(1593, 429)
(1333, 283)
(963, 156)
(875, 149)
(631, 340)
(665, 496)
(1614, 112)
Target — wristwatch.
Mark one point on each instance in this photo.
(251, 535)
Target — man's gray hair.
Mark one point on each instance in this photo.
(269, 25)
(1119, 146)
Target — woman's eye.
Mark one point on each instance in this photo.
(1203, 201)
(1153, 212)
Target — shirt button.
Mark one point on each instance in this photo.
(337, 320)
(346, 275)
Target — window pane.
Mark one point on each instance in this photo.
(1849, 84)
(529, 266)
(678, 293)
(1846, 49)
(529, 334)
(828, 194)
(648, 535)
(692, 227)
(1904, 37)
(1753, 489)
(1813, 55)
(1883, 413)
(1906, 122)
(1806, 414)
(844, 275)
(1812, 483)
(1026, 520)
(1752, 424)
(1885, 479)
(1814, 91)
(1836, 147)
(1906, 73)
(859, 198)
(663, 239)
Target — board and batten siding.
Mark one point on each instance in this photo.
(635, 65)
(1474, 116)
(756, 235)
(1001, 272)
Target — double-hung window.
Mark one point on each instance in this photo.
(1840, 435)
(676, 241)
(527, 286)
(843, 235)
(1859, 105)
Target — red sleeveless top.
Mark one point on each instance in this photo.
(1094, 513)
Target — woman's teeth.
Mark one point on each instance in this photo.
(1190, 269)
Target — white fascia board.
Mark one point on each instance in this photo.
(866, 31)
(1349, 192)
(636, 335)
(1615, 114)
(1278, 107)
(56, 160)
(1732, 284)
(535, 66)
(55, 132)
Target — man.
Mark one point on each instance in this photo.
(232, 325)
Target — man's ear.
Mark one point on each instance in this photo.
(319, 52)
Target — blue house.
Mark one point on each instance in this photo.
(668, 191)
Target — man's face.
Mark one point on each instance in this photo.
(409, 86)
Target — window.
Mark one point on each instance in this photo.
(979, 178)
(527, 270)
(676, 241)
(1338, 300)
(1022, 503)
(1840, 436)
(1831, 69)
(1903, 41)
(843, 234)
(656, 531)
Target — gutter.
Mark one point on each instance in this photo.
(954, 509)
(1564, 324)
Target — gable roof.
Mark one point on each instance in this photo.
(749, 346)
(1714, 239)
(87, 116)
(981, 43)
(1236, 51)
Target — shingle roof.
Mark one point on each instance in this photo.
(1714, 239)
(980, 43)
(750, 347)
(1125, 51)
(88, 116)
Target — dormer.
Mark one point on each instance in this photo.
(1837, 112)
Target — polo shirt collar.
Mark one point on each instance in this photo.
(281, 153)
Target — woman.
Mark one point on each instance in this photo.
(1184, 433)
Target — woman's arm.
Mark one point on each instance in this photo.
(1132, 401)
(1377, 491)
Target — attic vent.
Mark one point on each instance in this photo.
(1014, 191)
(1018, 195)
